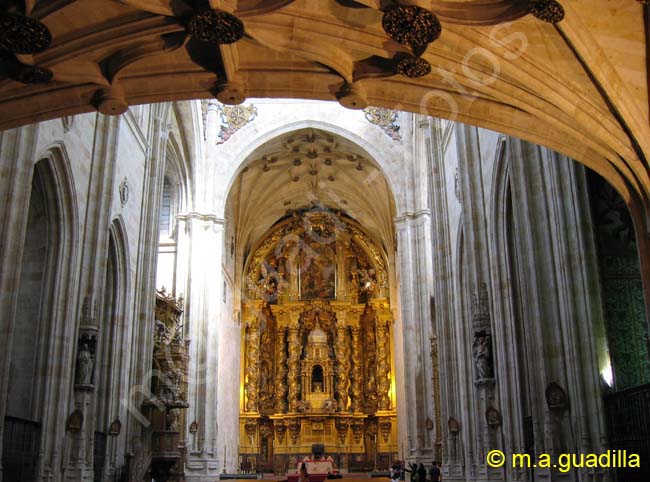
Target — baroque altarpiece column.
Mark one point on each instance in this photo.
(317, 351)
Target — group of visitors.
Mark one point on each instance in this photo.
(418, 473)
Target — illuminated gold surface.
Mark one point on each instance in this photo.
(332, 383)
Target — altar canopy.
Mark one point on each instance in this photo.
(316, 345)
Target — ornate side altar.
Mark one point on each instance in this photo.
(317, 347)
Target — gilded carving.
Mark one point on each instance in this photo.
(343, 369)
(383, 365)
(281, 373)
(308, 241)
(342, 426)
(318, 286)
(355, 387)
(294, 359)
(357, 430)
(385, 426)
(250, 425)
(252, 365)
(267, 378)
(294, 430)
(280, 430)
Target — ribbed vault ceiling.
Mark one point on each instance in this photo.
(305, 168)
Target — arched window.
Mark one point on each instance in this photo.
(166, 209)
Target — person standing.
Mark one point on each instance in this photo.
(434, 472)
(304, 475)
(422, 473)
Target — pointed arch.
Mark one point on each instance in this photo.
(42, 327)
(112, 357)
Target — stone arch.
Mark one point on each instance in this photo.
(53, 214)
(509, 339)
(112, 358)
(379, 153)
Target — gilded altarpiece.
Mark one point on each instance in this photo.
(317, 347)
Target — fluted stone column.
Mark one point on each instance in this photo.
(91, 287)
(17, 153)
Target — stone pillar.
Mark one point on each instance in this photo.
(17, 157)
(140, 360)
(478, 338)
(206, 320)
(91, 289)
(414, 254)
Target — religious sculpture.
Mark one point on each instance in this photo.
(482, 356)
(85, 365)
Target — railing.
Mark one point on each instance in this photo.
(20, 444)
(628, 422)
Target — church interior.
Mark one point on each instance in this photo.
(240, 236)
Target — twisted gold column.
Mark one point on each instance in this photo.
(252, 364)
(355, 391)
(294, 359)
(383, 364)
(281, 372)
(343, 359)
